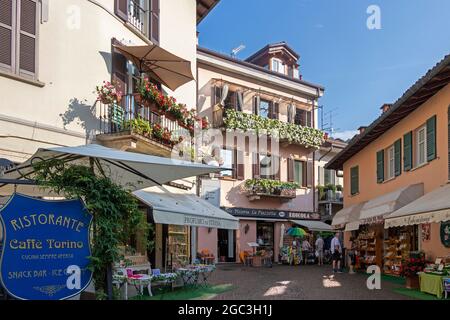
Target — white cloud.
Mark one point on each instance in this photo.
(345, 135)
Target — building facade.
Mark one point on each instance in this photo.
(265, 88)
(392, 167)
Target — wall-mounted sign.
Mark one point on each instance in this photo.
(426, 231)
(272, 214)
(445, 233)
(45, 251)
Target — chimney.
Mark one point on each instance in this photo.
(362, 129)
(385, 107)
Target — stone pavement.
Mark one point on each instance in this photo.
(298, 282)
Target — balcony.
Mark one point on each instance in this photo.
(257, 189)
(135, 126)
(288, 133)
(330, 194)
(137, 17)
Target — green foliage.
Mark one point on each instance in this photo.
(309, 137)
(321, 190)
(268, 185)
(139, 126)
(339, 188)
(331, 187)
(116, 216)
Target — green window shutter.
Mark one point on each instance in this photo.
(398, 157)
(354, 180)
(407, 151)
(431, 138)
(380, 166)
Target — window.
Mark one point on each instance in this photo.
(329, 176)
(19, 37)
(265, 164)
(421, 146)
(227, 157)
(264, 108)
(299, 172)
(142, 15)
(391, 162)
(278, 66)
(303, 117)
(354, 180)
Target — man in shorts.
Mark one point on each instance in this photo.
(336, 253)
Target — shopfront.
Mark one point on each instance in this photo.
(177, 216)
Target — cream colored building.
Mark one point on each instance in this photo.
(63, 49)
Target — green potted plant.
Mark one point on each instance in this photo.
(321, 191)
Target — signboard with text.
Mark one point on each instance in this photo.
(46, 248)
(272, 214)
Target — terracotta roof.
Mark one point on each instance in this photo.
(256, 67)
(204, 7)
(426, 87)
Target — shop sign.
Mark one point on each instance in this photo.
(272, 214)
(445, 234)
(45, 251)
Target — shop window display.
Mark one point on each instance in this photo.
(177, 246)
(397, 248)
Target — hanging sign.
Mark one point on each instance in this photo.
(445, 233)
(45, 250)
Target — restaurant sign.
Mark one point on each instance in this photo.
(45, 251)
(272, 214)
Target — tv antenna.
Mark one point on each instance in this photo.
(235, 51)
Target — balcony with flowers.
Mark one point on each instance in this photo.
(147, 121)
(290, 133)
(256, 189)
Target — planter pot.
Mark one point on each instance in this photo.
(412, 282)
(277, 191)
(257, 261)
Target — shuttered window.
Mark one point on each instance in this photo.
(431, 138)
(309, 173)
(354, 180)
(290, 170)
(407, 151)
(299, 172)
(398, 157)
(255, 166)
(19, 37)
(380, 166)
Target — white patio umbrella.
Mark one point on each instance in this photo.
(131, 170)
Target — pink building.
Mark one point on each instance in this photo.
(273, 181)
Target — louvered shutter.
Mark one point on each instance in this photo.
(255, 166)
(354, 180)
(121, 9)
(28, 22)
(309, 173)
(276, 173)
(276, 110)
(431, 138)
(290, 170)
(240, 165)
(234, 164)
(6, 35)
(398, 157)
(407, 151)
(380, 166)
(154, 21)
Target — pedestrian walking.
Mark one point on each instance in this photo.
(351, 257)
(319, 250)
(306, 249)
(336, 251)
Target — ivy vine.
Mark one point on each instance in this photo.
(116, 216)
(307, 136)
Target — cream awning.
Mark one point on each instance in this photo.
(179, 207)
(346, 215)
(376, 209)
(432, 207)
(313, 225)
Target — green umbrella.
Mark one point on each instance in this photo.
(296, 232)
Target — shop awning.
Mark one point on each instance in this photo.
(313, 225)
(346, 215)
(179, 207)
(376, 209)
(432, 207)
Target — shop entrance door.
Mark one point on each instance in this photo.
(226, 245)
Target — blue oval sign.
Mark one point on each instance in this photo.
(46, 248)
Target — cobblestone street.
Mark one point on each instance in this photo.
(300, 282)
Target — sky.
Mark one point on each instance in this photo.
(361, 69)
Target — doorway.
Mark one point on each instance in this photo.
(226, 245)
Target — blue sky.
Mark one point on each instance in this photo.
(360, 68)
